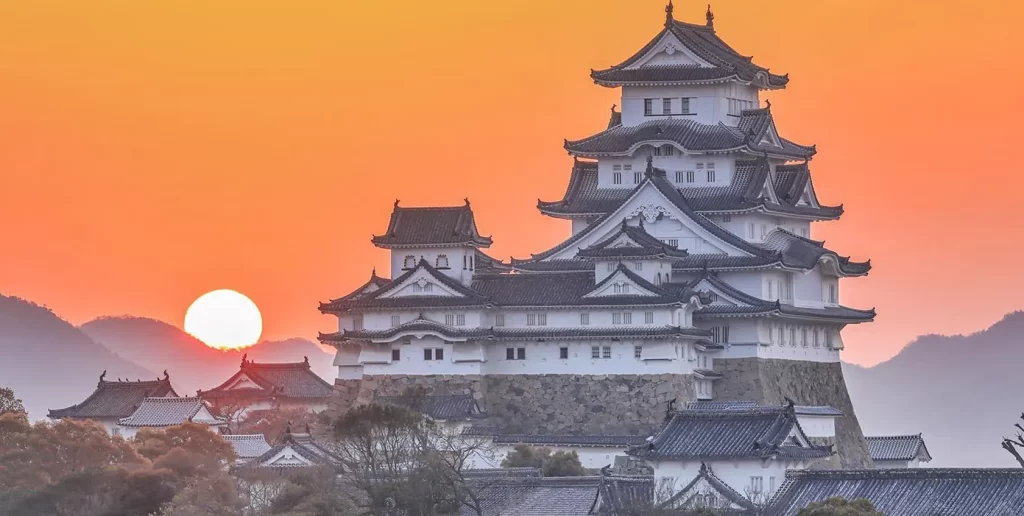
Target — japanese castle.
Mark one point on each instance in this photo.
(691, 274)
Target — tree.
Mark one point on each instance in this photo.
(216, 495)
(272, 423)
(10, 404)
(839, 506)
(153, 443)
(1014, 445)
(558, 464)
(399, 462)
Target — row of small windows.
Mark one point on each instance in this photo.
(792, 336)
(781, 289)
(705, 170)
(441, 262)
(736, 106)
(668, 106)
(720, 334)
(532, 319)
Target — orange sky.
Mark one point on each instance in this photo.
(153, 151)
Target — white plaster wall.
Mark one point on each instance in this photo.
(817, 426)
(736, 473)
(708, 102)
(455, 260)
(591, 457)
(543, 358)
(724, 167)
(648, 269)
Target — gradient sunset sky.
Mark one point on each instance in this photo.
(154, 151)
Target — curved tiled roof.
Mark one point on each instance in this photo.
(375, 299)
(531, 496)
(751, 305)
(723, 62)
(906, 491)
(440, 407)
(305, 446)
(115, 399)
(803, 253)
(754, 432)
(431, 226)
(723, 490)
(896, 447)
(158, 412)
(285, 380)
(247, 446)
(692, 136)
(643, 246)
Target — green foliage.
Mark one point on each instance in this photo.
(839, 506)
(558, 464)
(10, 404)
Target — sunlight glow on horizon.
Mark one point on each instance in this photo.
(224, 319)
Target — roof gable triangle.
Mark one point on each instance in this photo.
(423, 280)
(669, 51)
(622, 283)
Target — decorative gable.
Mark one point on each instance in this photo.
(718, 295)
(669, 51)
(619, 283)
(421, 282)
(771, 137)
(287, 456)
(808, 197)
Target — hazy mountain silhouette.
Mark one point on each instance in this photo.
(48, 362)
(193, 365)
(960, 391)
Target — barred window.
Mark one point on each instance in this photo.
(595, 351)
(648, 317)
(396, 320)
(606, 352)
(638, 351)
(499, 320)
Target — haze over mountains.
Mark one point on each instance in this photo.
(962, 392)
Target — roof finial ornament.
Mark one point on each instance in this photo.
(305, 360)
(641, 223)
(467, 200)
(650, 166)
(166, 376)
(711, 17)
(768, 103)
(244, 359)
(613, 107)
(103, 375)
(668, 13)
(396, 203)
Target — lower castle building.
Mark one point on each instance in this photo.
(689, 274)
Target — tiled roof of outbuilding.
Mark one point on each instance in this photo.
(287, 380)
(431, 226)
(115, 399)
(305, 446)
(625, 495)
(750, 305)
(692, 136)
(723, 62)
(906, 491)
(756, 432)
(742, 504)
(159, 412)
(247, 446)
(897, 447)
(444, 407)
(546, 496)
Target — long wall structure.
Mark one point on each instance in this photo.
(690, 272)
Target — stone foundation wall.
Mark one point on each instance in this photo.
(580, 404)
(771, 381)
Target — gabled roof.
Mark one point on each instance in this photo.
(159, 412)
(720, 61)
(750, 305)
(431, 226)
(247, 446)
(631, 242)
(301, 450)
(906, 491)
(687, 497)
(803, 253)
(897, 448)
(744, 193)
(625, 494)
(116, 399)
(568, 289)
(692, 136)
(530, 496)
(755, 432)
(374, 283)
(295, 380)
(378, 298)
(443, 407)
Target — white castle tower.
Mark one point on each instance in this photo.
(690, 273)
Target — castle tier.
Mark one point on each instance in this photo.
(690, 273)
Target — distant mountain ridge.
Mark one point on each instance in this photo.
(48, 362)
(192, 364)
(960, 391)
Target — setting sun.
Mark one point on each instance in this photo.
(224, 319)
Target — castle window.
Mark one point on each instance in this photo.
(674, 242)
(616, 317)
(792, 337)
(648, 317)
(460, 320)
(396, 355)
(617, 178)
(606, 352)
(465, 262)
(638, 266)
(638, 351)
(611, 266)
(439, 354)
(617, 288)
(531, 319)
(648, 107)
(520, 353)
(428, 354)
(756, 484)
(656, 151)
(627, 317)
(667, 150)
(499, 320)
(771, 334)
(803, 337)
(595, 351)
(627, 167)
(750, 230)
(407, 341)
(396, 320)
(833, 296)
(711, 172)
(666, 106)
(726, 218)
(584, 319)
(563, 352)
(357, 322)
(449, 319)
(679, 176)
(637, 177)
(442, 261)
(510, 353)
(689, 176)
(764, 231)
(409, 262)
(617, 167)
(685, 106)
(657, 279)
(720, 334)
(816, 342)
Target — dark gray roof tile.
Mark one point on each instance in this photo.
(431, 226)
(285, 380)
(115, 399)
(159, 412)
(896, 447)
(550, 496)
(445, 407)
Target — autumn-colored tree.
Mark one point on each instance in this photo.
(272, 423)
(153, 443)
(216, 495)
(558, 464)
(9, 403)
(839, 506)
(109, 491)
